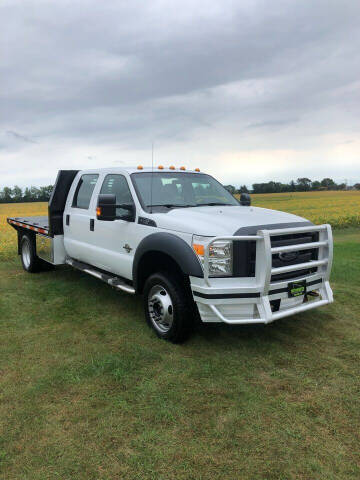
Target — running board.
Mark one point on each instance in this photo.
(112, 280)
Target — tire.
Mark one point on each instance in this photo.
(30, 261)
(168, 307)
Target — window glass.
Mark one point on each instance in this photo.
(117, 185)
(180, 189)
(84, 191)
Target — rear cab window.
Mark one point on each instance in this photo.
(84, 191)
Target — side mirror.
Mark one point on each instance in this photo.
(106, 207)
(130, 216)
(245, 199)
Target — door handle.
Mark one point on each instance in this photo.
(67, 220)
(92, 224)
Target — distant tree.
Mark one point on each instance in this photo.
(243, 189)
(45, 192)
(328, 183)
(7, 194)
(17, 194)
(35, 193)
(27, 195)
(230, 188)
(292, 186)
(304, 184)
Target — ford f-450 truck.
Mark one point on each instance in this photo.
(180, 239)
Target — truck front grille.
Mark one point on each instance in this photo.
(245, 256)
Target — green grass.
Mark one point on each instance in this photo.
(88, 392)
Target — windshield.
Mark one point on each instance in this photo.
(171, 190)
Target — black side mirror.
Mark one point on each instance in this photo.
(245, 199)
(106, 207)
(130, 217)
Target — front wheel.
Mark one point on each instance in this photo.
(168, 307)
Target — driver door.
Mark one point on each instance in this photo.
(113, 242)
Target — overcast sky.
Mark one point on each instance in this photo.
(248, 91)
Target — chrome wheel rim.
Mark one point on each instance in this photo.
(26, 255)
(161, 309)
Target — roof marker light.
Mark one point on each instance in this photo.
(182, 168)
(140, 167)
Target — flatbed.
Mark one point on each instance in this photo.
(36, 224)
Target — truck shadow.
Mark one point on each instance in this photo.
(291, 330)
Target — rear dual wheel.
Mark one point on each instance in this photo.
(30, 261)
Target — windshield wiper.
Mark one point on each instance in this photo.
(214, 204)
(170, 205)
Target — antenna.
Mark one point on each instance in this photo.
(152, 174)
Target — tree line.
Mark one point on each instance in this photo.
(301, 185)
(29, 194)
(42, 194)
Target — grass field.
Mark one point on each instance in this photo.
(88, 392)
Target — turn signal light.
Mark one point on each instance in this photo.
(140, 167)
(182, 168)
(199, 249)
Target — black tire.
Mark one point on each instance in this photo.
(30, 261)
(182, 316)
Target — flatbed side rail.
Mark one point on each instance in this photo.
(16, 223)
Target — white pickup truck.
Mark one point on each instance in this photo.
(180, 239)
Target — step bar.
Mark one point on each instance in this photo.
(112, 280)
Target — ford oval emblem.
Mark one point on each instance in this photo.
(288, 256)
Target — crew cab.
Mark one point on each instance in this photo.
(183, 242)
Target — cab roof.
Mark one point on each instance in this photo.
(140, 169)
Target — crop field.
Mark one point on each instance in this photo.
(7, 233)
(340, 209)
(88, 392)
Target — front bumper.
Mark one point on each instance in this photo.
(257, 299)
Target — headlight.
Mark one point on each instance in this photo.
(220, 255)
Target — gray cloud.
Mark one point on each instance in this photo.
(18, 136)
(273, 123)
(207, 78)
